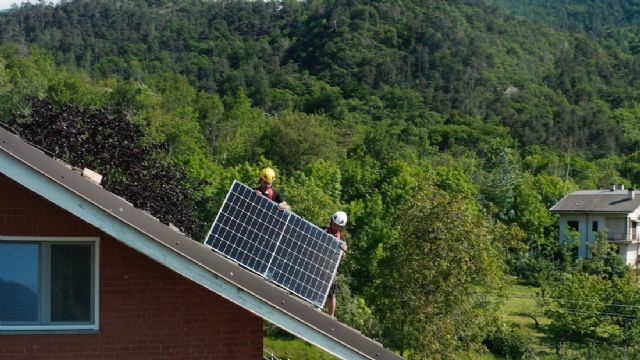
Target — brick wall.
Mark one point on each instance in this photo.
(147, 311)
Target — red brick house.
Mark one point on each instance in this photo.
(85, 275)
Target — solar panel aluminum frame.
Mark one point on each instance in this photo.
(274, 247)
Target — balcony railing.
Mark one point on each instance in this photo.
(613, 236)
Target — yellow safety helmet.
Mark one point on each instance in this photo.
(267, 174)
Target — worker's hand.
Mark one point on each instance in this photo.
(283, 206)
(258, 192)
(343, 246)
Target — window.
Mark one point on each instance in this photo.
(48, 283)
(573, 225)
(594, 226)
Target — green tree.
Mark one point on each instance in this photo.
(360, 175)
(453, 180)
(315, 192)
(437, 274)
(577, 307)
(354, 311)
(369, 225)
(531, 214)
(295, 140)
(501, 184)
(239, 132)
(584, 308)
(603, 259)
(595, 299)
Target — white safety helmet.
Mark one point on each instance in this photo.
(339, 218)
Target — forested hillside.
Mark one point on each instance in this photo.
(590, 16)
(446, 130)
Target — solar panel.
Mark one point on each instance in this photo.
(277, 244)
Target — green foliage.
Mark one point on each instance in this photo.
(432, 278)
(383, 142)
(473, 64)
(582, 171)
(360, 175)
(631, 167)
(568, 249)
(454, 180)
(575, 314)
(399, 182)
(627, 119)
(597, 300)
(27, 73)
(577, 15)
(353, 310)
(294, 349)
(587, 308)
(507, 341)
(503, 177)
(604, 260)
(551, 189)
(239, 132)
(531, 214)
(295, 140)
(370, 228)
(315, 192)
(461, 131)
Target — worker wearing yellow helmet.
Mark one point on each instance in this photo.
(265, 188)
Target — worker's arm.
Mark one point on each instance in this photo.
(283, 206)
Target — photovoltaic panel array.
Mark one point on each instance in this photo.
(277, 244)
(247, 228)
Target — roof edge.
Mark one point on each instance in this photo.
(590, 211)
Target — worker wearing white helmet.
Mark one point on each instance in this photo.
(338, 221)
(265, 188)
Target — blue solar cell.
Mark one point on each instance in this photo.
(238, 234)
(311, 250)
(277, 244)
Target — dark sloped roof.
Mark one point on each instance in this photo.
(618, 201)
(195, 252)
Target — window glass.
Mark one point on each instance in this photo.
(71, 283)
(48, 284)
(19, 289)
(573, 225)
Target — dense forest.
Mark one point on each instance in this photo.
(445, 129)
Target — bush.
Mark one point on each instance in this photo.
(353, 311)
(507, 341)
(528, 268)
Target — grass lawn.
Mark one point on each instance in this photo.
(521, 308)
(294, 349)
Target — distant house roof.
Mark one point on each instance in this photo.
(64, 187)
(616, 201)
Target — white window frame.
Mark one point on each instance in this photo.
(95, 283)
